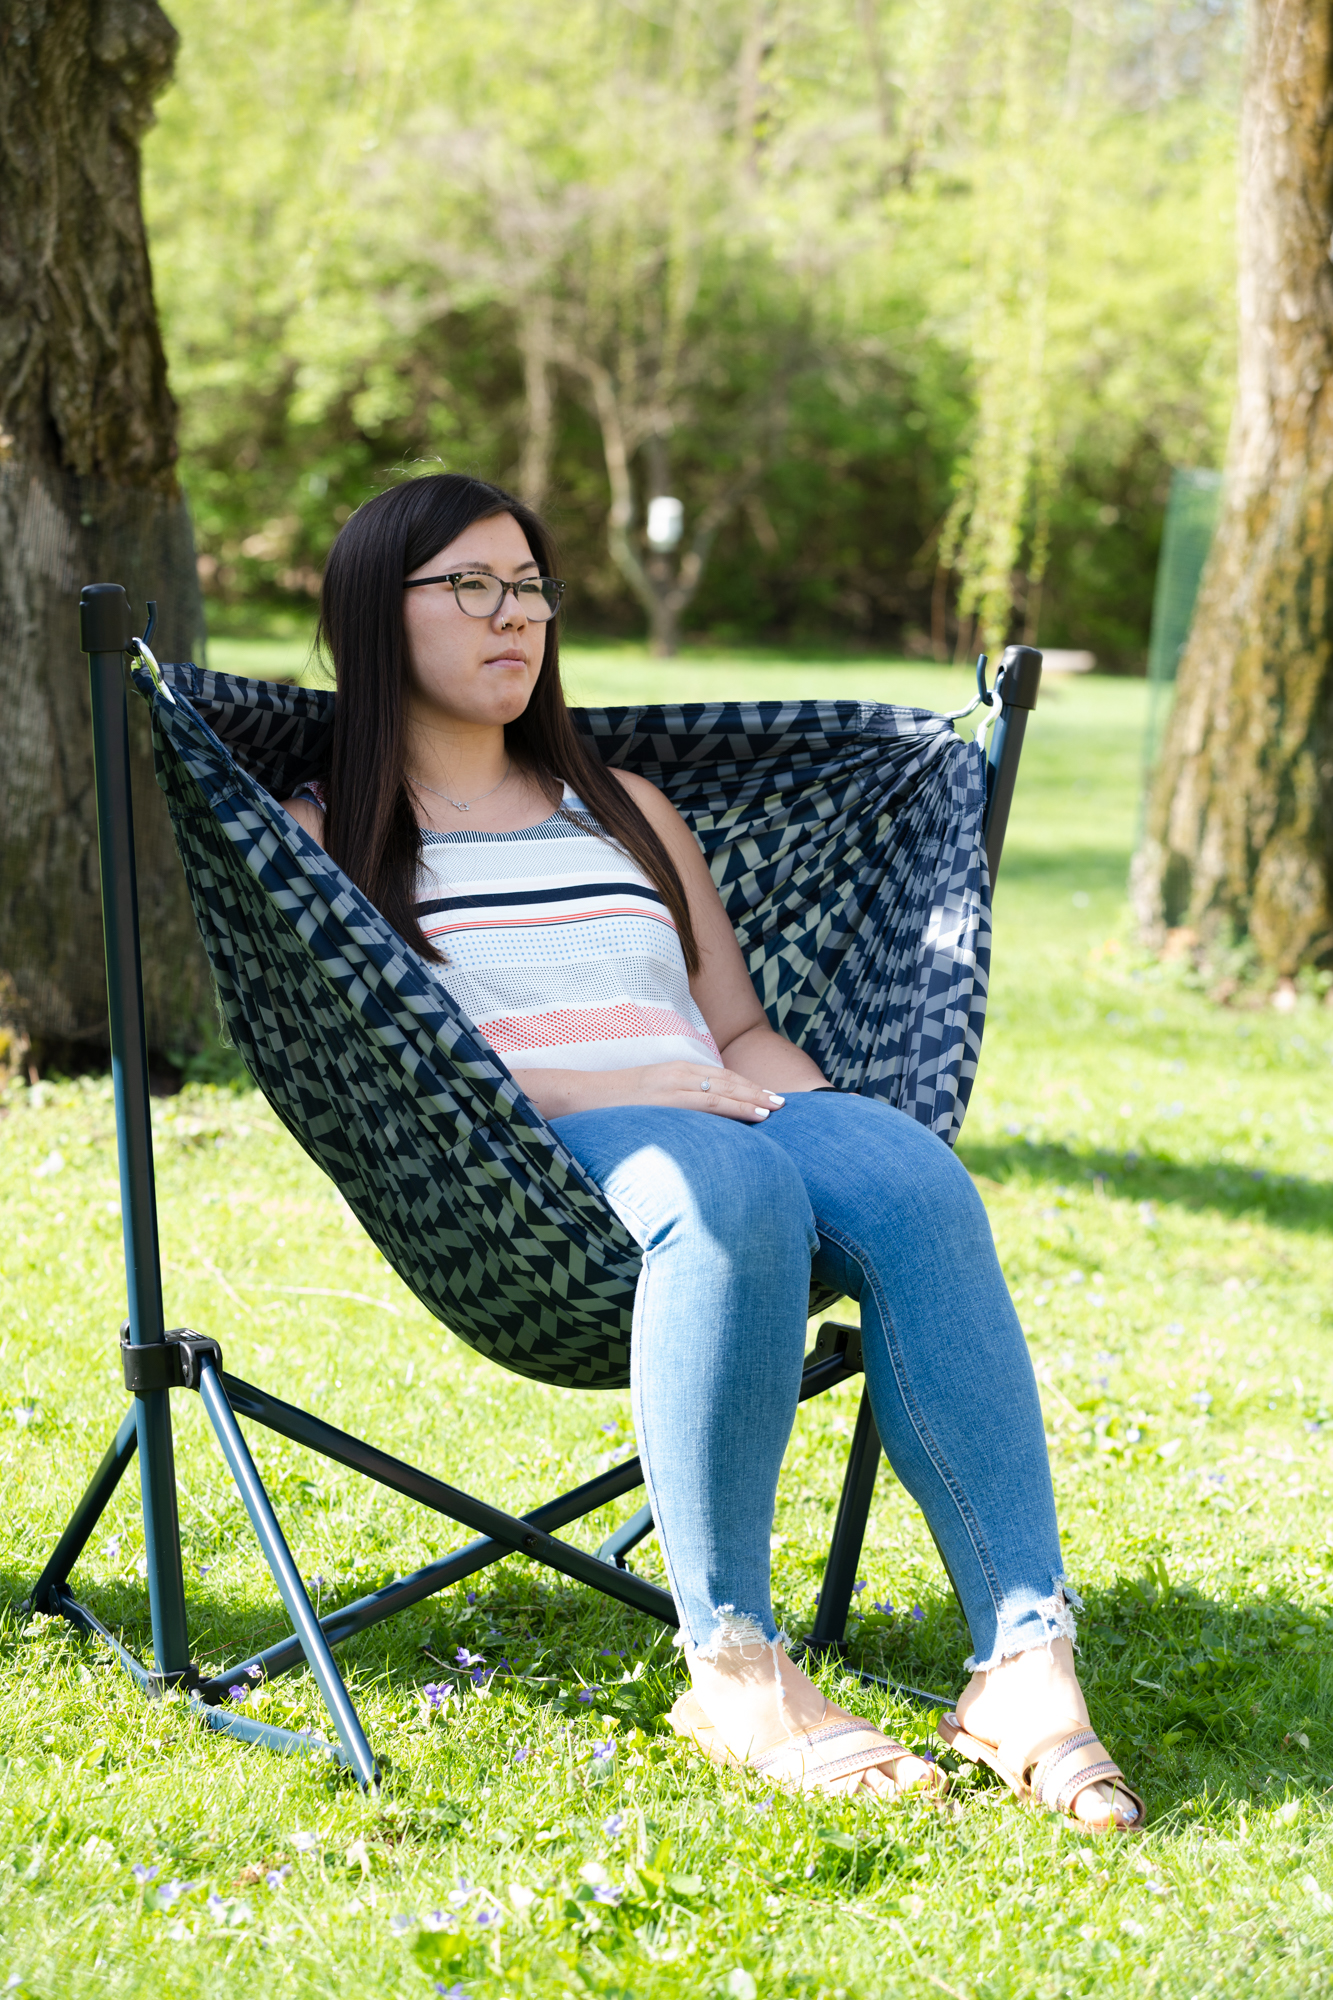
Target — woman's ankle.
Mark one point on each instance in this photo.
(755, 1691)
(1025, 1697)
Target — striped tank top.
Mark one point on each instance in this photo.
(557, 947)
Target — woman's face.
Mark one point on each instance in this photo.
(478, 671)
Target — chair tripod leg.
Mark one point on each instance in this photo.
(285, 1575)
(626, 1537)
(87, 1514)
(858, 1487)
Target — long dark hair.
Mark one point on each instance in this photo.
(370, 825)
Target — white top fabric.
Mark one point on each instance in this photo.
(558, 948)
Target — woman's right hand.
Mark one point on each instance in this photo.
(682, 1086)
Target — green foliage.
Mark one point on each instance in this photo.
(1157, 1174)
(879, 286)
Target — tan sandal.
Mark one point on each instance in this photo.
(1055, 1777)
(791, 1764)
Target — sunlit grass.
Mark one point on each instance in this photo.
(1158, 1174)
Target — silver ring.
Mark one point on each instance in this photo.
(704, 1084)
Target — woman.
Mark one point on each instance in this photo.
(570, 912)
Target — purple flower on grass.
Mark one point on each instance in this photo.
(400, 1923)
(434, 1695)
(918, 1614)
(113, 1548)
(478, 1675)
(611, 1827)
(237, 1692)
(254, 1673)
(277, 1875)
(858, 1587)
(886, 1607)
(586, 1694)
(171, 1892)
(466, 1659)
(462, 1894)
(487, 1914)
(216, 1906)
(604, 1893)
(610, 1429)
(144, 1875)
(521, 1755)
(472, 1597)
(602, 1751)
(455, 1992)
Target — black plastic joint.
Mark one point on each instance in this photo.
(173, 1362)
(106, 623)
(1019, 678)
(836, 1338)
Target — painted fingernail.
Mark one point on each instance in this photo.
(759, 1111)
(773, 1097)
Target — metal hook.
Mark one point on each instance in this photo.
(140, 650)
(982, 699)
(151, 626)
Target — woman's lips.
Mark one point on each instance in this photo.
(507, 660)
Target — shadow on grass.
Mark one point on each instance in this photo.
(1195, 1696)
(1286, 1201)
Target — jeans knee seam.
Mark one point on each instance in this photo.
(918, 1422)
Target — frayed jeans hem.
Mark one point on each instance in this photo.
(1024, 1626)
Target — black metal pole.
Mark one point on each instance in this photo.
(849, 1529)
(105, 631)
(1016, 684)
(290, 1587)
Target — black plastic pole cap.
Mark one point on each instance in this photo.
(1019, 677)
(106, 623)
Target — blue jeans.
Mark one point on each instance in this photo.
(731, 1219)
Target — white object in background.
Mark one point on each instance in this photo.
(1058, 662)
(666, 523)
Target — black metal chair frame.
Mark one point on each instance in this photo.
(156, 1360)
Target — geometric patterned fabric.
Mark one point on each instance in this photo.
(845, 839)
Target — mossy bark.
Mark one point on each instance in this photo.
(88, 493)
(1239, 829)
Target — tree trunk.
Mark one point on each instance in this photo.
(1239, 832)
(88, 493)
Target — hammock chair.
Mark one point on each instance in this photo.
(853, 845)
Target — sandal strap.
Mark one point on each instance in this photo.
(1068, 1768)
(820, 1770)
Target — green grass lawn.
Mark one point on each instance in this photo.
(1158, 1175)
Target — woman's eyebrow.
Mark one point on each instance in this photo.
(484, 569)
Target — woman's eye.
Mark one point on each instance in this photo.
(532, 589)
(472, 586)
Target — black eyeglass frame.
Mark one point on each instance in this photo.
(554, 583)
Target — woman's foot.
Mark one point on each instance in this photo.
(1024, 1707)
(750, 1702)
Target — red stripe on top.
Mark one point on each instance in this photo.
(564, 1026)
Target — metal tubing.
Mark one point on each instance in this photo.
(820, 1374)
(1017, 685)
(227, 1721)
(393, 1597)
(292, 1590)
(101, 616)
(626, 1537)
(858, 1487)
(514, 1533)
(88, 1512)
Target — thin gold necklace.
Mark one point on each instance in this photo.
(464, 805)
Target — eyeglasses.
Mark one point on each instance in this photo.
(480, 594)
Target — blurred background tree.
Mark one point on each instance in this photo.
(88, 490)
(912, 306)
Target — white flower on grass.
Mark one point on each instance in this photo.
(304, 1843)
